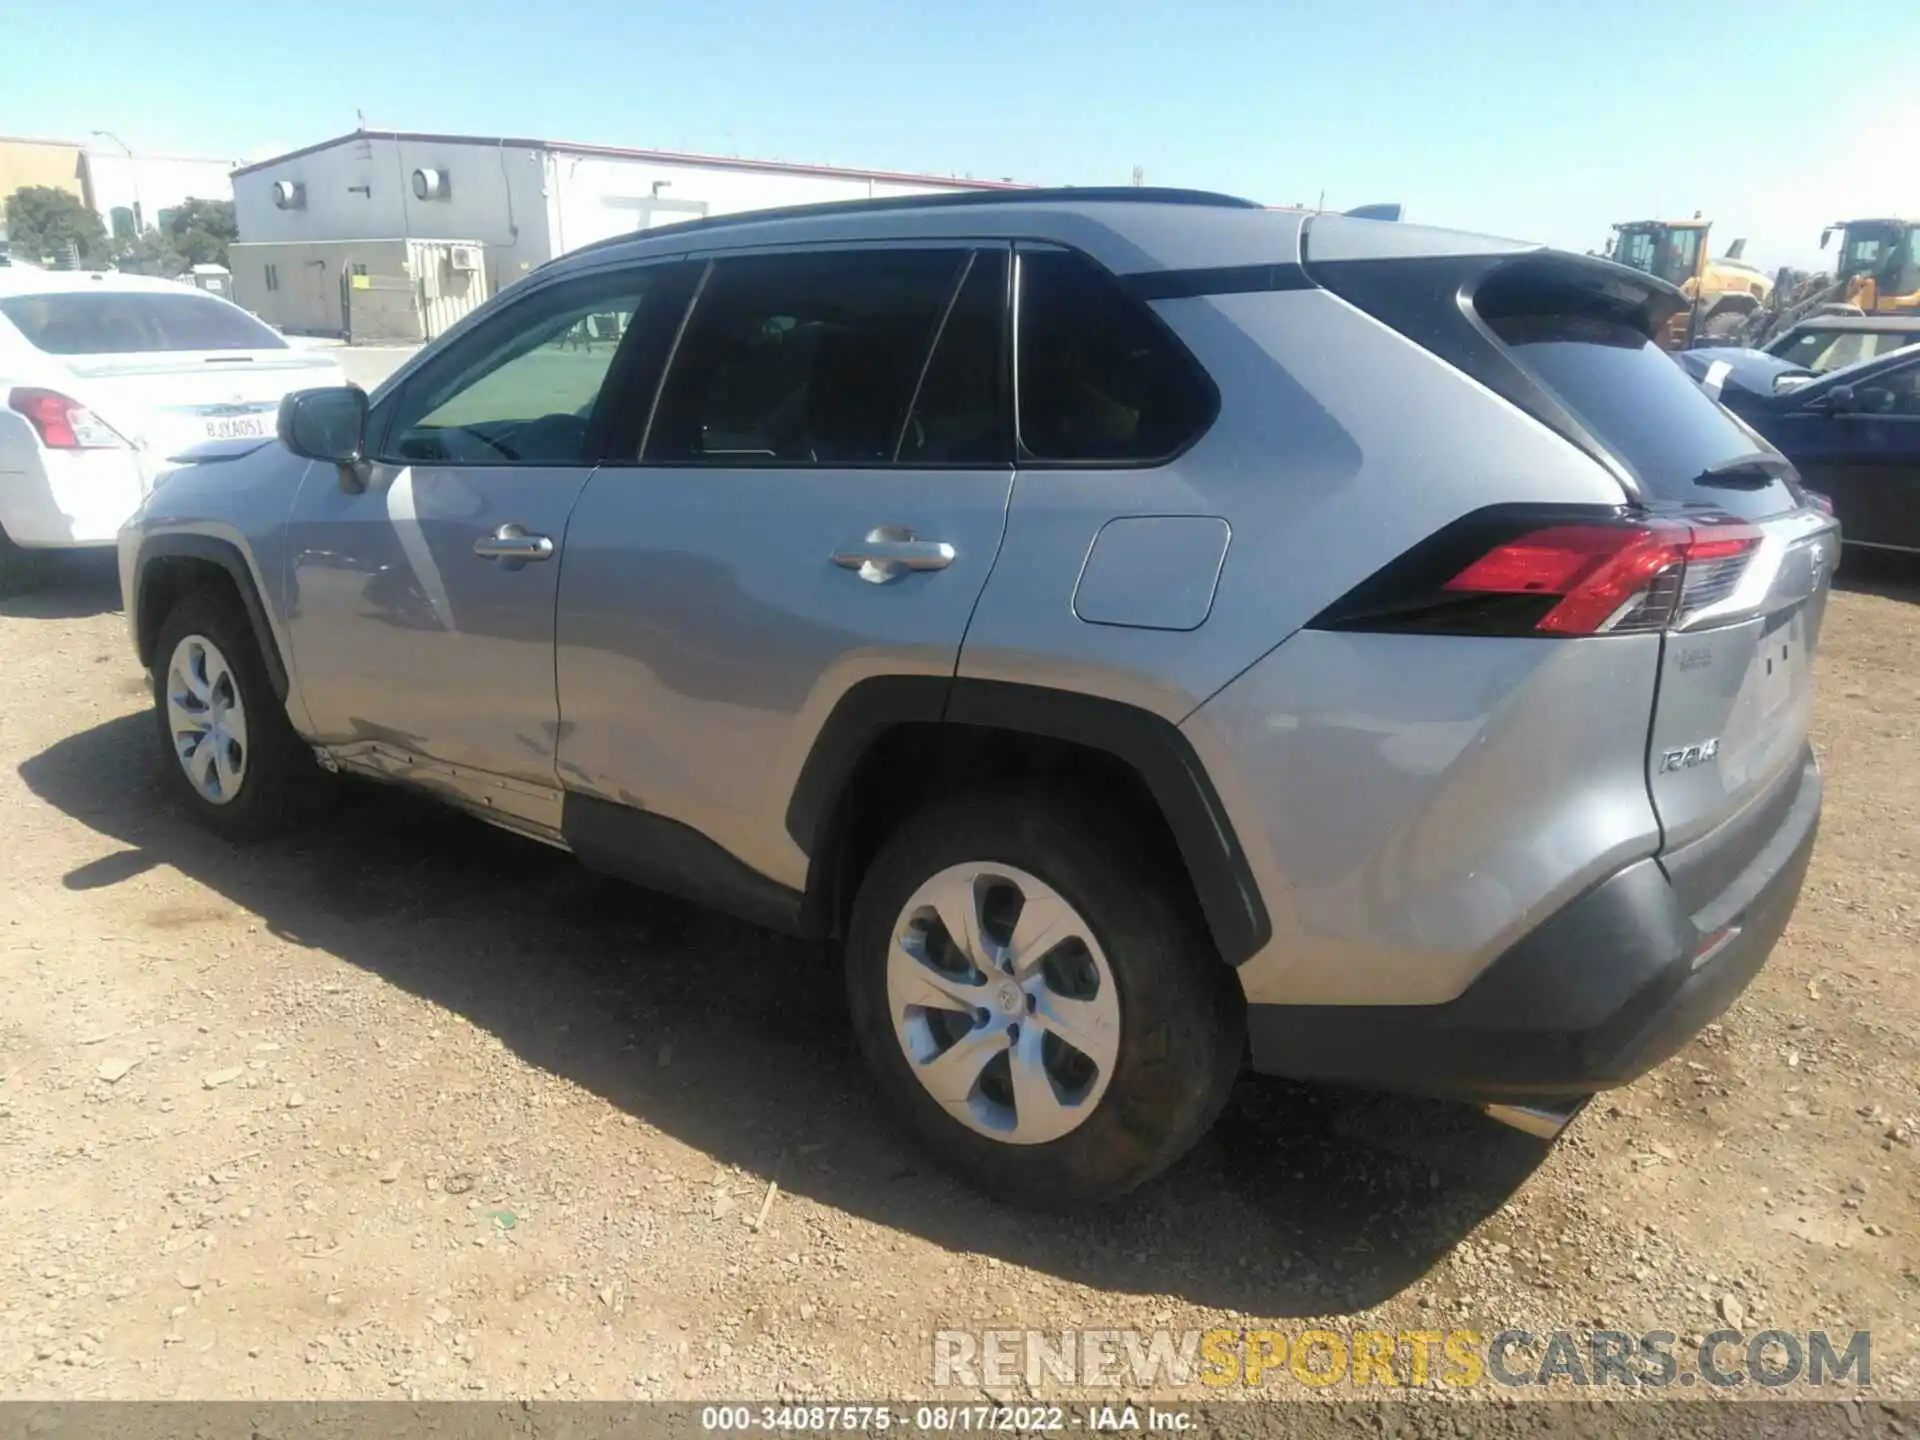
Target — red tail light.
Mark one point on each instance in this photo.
(1605, 578)
(63, 423)
(1520, 571)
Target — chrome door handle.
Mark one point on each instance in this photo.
(890, 551)
(514, 545)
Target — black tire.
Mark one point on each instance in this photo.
(1182, 1019)
(19, 568)
(282, 785)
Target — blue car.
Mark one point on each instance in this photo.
(1854, 434)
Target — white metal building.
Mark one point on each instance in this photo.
(137, 190)
(522, 201)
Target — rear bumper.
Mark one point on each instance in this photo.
(70, 500)
(1609, 987)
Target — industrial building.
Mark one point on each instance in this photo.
(331, 236)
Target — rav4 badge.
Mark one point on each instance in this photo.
(1688, 756)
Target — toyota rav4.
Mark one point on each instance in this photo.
(1146, 631)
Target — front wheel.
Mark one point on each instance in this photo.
(230, 751)
(1038, 1003)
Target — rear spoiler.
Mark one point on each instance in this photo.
(1374, 212)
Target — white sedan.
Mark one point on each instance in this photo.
(104, 379)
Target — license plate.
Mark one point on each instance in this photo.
(236, 427)
(1782, 666)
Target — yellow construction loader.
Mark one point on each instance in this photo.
(1724, 294)
(1877, 273)
(1879, 265)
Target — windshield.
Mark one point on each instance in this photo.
(1633, 398)
(122, 322)
(1824, 350)
(1862, 252)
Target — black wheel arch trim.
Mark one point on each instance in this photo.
(1150, 745)
(227, 556)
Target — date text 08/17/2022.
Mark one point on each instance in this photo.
(943, 1419)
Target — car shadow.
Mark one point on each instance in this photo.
(1303, 1201)
(1890, 574)
(68, 586)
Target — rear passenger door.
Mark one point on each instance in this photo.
(820, 497)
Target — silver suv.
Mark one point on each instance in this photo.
(1148, 631)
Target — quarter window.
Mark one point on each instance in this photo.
(1100, 379)
(803, 359)
(524, 391)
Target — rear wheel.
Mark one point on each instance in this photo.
(230, 752)
(1038, 1004)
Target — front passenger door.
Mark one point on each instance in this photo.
(422, 607)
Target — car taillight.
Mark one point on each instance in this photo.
(1518, 570)
(63, 423)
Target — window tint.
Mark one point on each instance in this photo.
(522, 391)
(1627, 392)
(1099, 377)
(132, 322)
(959, 416)
(802, 359)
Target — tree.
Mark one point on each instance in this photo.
(42, 219)
(201, 230)
(151, 252)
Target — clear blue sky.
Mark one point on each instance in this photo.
(1546, 120)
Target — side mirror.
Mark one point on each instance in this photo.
(328, 424)
(1842, 400)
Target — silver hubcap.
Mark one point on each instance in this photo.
(206, 718)
(1003, 1003)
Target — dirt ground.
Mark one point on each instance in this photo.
(409, 1107)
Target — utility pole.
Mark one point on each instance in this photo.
(133, 173)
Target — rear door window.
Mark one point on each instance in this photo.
(123, 322)
(1099, 377)
(805, 358)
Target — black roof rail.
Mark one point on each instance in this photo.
(943, 200)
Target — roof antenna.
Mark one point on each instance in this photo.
(361, 116)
